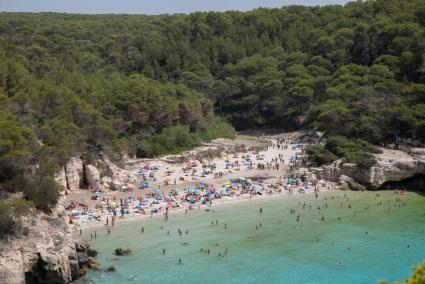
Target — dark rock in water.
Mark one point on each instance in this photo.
(121, 251)
(356, 186)
(81, 246)
(74, 266)
(91, 252)
(93, 264)
(83, 258)
(111, 269)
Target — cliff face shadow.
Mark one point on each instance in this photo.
(415, 183)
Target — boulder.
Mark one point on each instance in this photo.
(74, 173)
(83, 258)
(356, 186)
(121, 251)
(417, 151)
(92, 175)
(60, 178)
(345, 179)
(93, 264)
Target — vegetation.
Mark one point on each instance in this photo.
(11, 212)
(355, 151)
(418, 276)
(148, 85)
(319, 155)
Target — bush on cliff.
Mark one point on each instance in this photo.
(42, 190)
(11, 212)
(319, 155)
(356, 151)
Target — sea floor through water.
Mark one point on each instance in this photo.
(368, 237)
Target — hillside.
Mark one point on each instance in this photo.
(88, 85)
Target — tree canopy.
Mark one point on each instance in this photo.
(147, 85)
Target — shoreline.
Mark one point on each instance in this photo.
(217, 202)
(268, 174)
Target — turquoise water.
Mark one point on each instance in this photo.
(277, 253)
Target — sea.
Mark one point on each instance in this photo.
(338, 237)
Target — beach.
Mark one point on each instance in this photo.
(274, 226)
(258, 168)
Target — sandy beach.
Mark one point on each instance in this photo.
(270, 160)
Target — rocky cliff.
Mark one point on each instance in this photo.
(77, 174)
(392, 166)
(44, 253)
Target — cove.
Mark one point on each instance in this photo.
(376, 238)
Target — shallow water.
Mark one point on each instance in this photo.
(277, 253)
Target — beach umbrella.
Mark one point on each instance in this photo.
(157, 190)
(84, 198)
(242, 178)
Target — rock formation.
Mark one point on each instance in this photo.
(392, 165)
(44, 253)
(74, 173)
(92, 175)
(60, 178)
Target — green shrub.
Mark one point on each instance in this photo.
(218, 130)
(43, 194)
(11, 212)
(356, 151)
(173, 140)
(418, 275)
(43, 191)
(319, 155)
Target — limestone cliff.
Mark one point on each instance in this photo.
(44, 253)
(392, 165)
(77, 174)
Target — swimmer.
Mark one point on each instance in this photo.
(180, 262)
